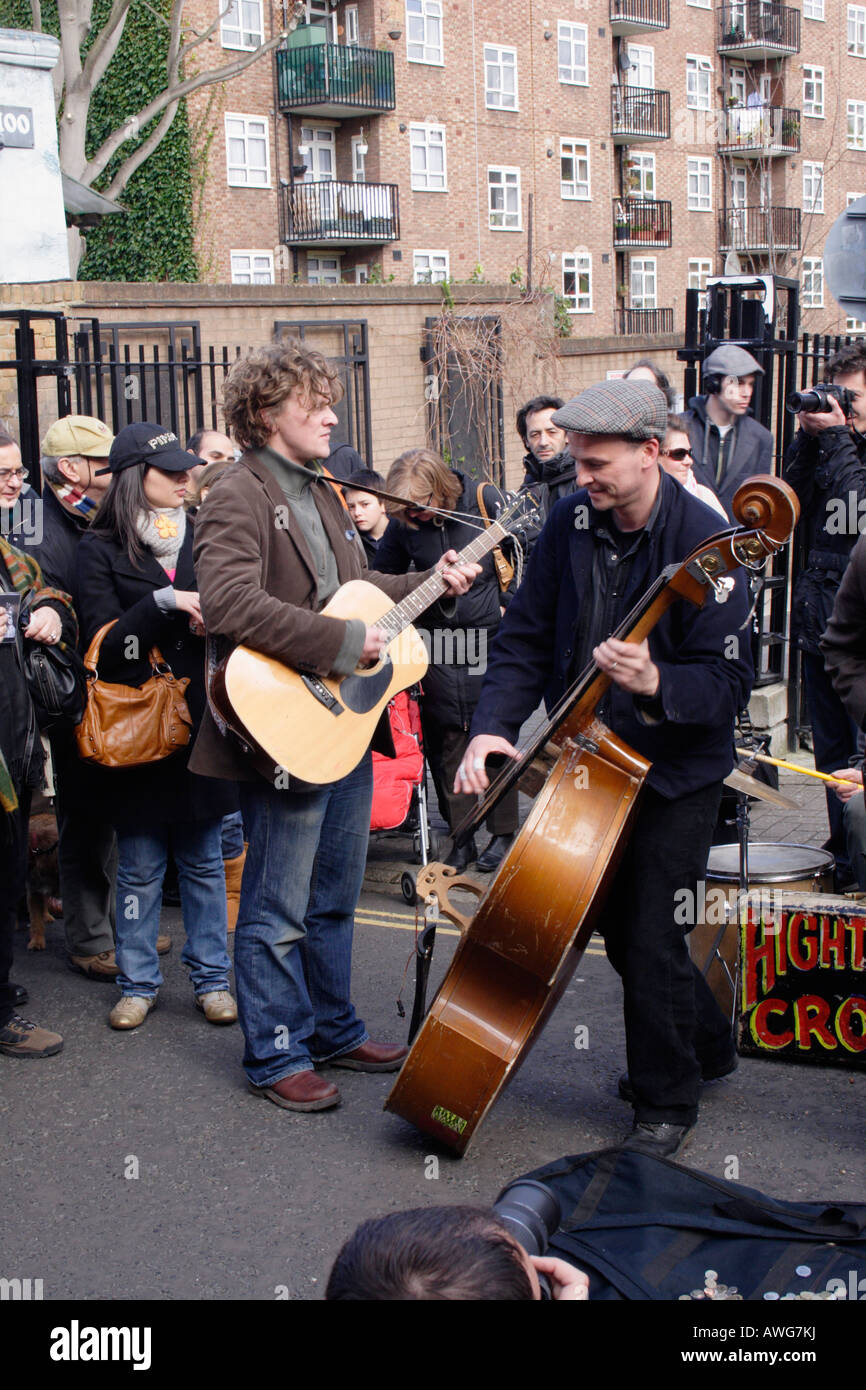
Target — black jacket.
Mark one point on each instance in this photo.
(57, 552)
(751, 451)
(458, 633)
(110, 587)
(828, 473)
(844, 643)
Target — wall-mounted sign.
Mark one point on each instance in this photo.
(16, 127)
(803, 978)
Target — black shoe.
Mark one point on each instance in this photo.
(662, 1140)
(19, 994)
(711, 1072)
(462, 856)
(494, 853)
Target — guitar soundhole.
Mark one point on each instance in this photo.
(361, 693)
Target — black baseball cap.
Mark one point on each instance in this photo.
(149, 444)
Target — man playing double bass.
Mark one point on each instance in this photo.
(673, 698)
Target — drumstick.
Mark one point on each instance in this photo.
(793, 767)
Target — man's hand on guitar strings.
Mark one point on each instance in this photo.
(629, 665)
(471, 776)
(458, 577)
(375, 643)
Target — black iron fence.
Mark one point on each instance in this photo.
(643, 14)
(759, 24)
(329, 211)
(760, 229)
(645, 321)
(331, 74)
(640, 113)
(641, 222)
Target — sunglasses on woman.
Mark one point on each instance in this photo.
(676, 454)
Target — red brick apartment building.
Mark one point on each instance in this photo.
(633, 145)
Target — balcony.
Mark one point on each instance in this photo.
(756, 131)
(758, 29)
(641, 222)
(640, 322)
(336, 80)
(760, 230)
(639, 16)
(327, 213)
(638, 114)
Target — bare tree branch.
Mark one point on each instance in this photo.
(145, 149)
(36, 15)
(105, 46)
(202, 38)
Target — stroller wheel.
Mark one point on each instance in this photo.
(407, 888)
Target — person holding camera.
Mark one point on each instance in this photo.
(825, 463)
(728, 446)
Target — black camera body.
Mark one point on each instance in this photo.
(818, 400)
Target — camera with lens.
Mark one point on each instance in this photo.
(531, 1213)
(818, 400)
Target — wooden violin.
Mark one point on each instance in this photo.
(518, 951)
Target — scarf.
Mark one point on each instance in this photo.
(70, 495)
(163, 532)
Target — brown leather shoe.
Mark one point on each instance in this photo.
(163, 944)
(371, 1056)
(101, 967)
(304, 1090)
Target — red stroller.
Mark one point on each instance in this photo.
(400, 783)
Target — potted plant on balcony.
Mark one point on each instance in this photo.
(790, 130)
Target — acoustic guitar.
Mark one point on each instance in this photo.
(319, 728)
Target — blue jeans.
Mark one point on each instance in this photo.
(141, 869)
(293, 941)
(233, 835)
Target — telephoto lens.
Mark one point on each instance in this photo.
(531, 1213)
(819, 400)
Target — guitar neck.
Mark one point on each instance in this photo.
(405, 612)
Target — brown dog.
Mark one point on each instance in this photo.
(43, 874)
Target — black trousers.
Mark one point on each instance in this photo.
(444, 749)
(673, 1025)
(834, 739)
(13, 869)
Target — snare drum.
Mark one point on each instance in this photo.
(792, 867)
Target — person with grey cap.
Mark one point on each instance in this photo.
(727, 444)
(672, 697)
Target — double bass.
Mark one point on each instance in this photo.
(529, 930)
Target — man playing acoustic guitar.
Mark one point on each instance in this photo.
(273, 543)
(673, 698)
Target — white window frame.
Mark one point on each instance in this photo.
(813, 9)
(643, 57)
(643, 272)
(857, 31)
(498, 60)
(233, 33)
(852, 198)
(578, 263)
(813, 106)
(242, 275)
(812, 268)
(317, 260)
(699, 82)
(646, 175)
(359, 161)
(362, 274)
(578, 152)
(427, 137)
(699, 268)
(857, 111)
(424, 42)
(738, 84)
(430, 274)
(321, 12)
(701, 4)
(699, 169)
(739, 187)
(508, 183)
(246, 135)
(576, 75)
(813, 186)
(352, 38)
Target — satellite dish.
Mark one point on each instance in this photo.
(624, 60)
(732, 264)
(845, 260)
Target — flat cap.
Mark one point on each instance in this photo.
(729, 360)
(77, 434)
(633, 409)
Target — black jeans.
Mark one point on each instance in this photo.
(13, 869)
(834, 739)
(444, 749)
(673, 1025)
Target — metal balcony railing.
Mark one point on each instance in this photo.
(760, 229)
(641, 321)
(758, 29)
(756, 130)
(352, 80)
(329, 213)
(638, 16)
(641, 222)
(639, 113)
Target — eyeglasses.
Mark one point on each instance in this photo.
(421, 506)
(676, 454)
(20, 474)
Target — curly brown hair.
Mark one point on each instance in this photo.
(263, 379)
(850, 358)
(425, 477)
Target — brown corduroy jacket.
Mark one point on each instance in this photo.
(257, 583)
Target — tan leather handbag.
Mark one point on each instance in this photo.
(130, 725)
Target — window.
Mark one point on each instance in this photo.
(574, 169)
(362, 274)
(857, 31)
(427, 143)
(252, 267)
(242, 25)
(577, 282)
(321, 12)
(852, 198)
(641, 175)
(424, 31)
(813, 186)
(737, 85)
(857, 125)
(500, 78)
(359, 160)
(643, 283)
(813, 91)
(813, 9)
(429, 267)
(352, 41)
(812, 281)
(642, 72)
(700, 188)
(572, 51)
(248, 160)
(323, 270)
(739, 186)
(503, 199)
(698, 272)
(699, 82)
(701, 4)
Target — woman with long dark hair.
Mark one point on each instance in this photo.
(135, 570)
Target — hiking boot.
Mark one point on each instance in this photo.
(21, 1038)
(101, 967)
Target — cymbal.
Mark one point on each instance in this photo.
(742, 782)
